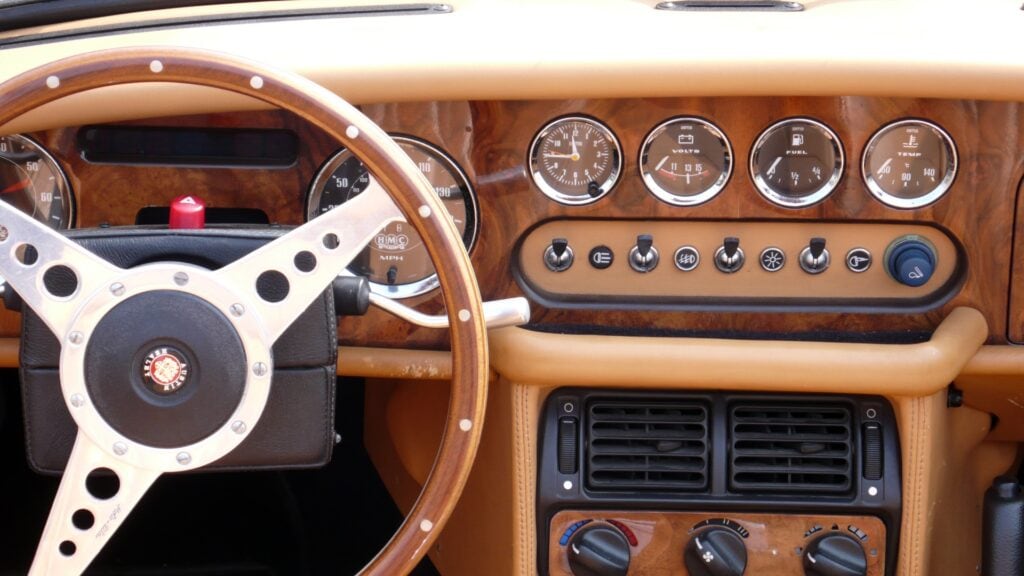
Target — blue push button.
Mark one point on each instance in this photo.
(912, 263)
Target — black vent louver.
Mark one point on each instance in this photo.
(791, 448)
(647, 446)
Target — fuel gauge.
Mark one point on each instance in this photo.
(797, 162)
(910, 163)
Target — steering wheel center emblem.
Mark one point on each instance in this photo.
(165, 370)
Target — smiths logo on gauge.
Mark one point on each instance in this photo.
(396, 262)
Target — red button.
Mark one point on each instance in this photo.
(187, 213)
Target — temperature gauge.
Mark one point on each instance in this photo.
(686, 161)
(797, 162)
(910, 163)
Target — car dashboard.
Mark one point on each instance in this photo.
(727, 224)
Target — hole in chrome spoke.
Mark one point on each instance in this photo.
(67, 548)
(272, 286)
(83, 519)
(331, 241)
(103, 483)
(26, 254)
(60, 281)
(305, 261)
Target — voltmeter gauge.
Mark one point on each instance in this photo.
(575, 160)
(396, 262)
(685, 161)
(797, 162)
(910, 163)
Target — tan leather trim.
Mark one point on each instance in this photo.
(914, 369)
(946, 469)
(392, 363)
(508, 60)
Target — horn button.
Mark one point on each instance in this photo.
(165, 368)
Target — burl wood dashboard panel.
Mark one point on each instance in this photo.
(774, 543)
(490, 141)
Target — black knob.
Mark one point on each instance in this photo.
(835, 555)
(815, 259)
(817, 246)
(558, 256)
(599, 550)
(558, 246)
(716, 552)
(730, 245)
(644, 243)
(911, 262)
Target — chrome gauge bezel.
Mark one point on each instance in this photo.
(822, 192)
(910, 203)
(55, 166)
(469, 237)
(573, 199)
(696, 199)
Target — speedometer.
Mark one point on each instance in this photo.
(31, 180)
(396, 262)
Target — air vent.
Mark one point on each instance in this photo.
(791, 448)
(647, 446)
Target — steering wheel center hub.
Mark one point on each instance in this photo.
(165, 368)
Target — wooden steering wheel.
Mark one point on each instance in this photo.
(230, 300)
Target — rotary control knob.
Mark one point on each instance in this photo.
(644, 256)
(716, 552)
(559, 256)
(835, 555)
(599, 550)
(729, 257)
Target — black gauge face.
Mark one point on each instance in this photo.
(31, 180)
(396, 262)
(910, 163)
(797, 162)
(575, 160)
(686, 161)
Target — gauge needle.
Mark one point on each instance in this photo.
(16, 187)
(575, 152)
(771, 169)
(881, 170)
(570, 156)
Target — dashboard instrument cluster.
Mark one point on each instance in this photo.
(794, 163)
(658, 212)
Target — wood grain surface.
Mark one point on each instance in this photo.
(775, 543)
(490, 141)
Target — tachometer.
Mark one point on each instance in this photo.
(575, 160)
(797, 162)
(686, 161)
(32, 181)
(396, 262)
(910, 163)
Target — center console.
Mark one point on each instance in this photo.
(645, 483)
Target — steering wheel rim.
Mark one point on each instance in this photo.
(406, 187)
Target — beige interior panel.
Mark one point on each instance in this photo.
(947, 465)
(666, 281)
(494, 49)
(907, 369)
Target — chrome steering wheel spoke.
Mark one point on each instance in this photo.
(284, 277)
(96, 494)
(51, 274)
